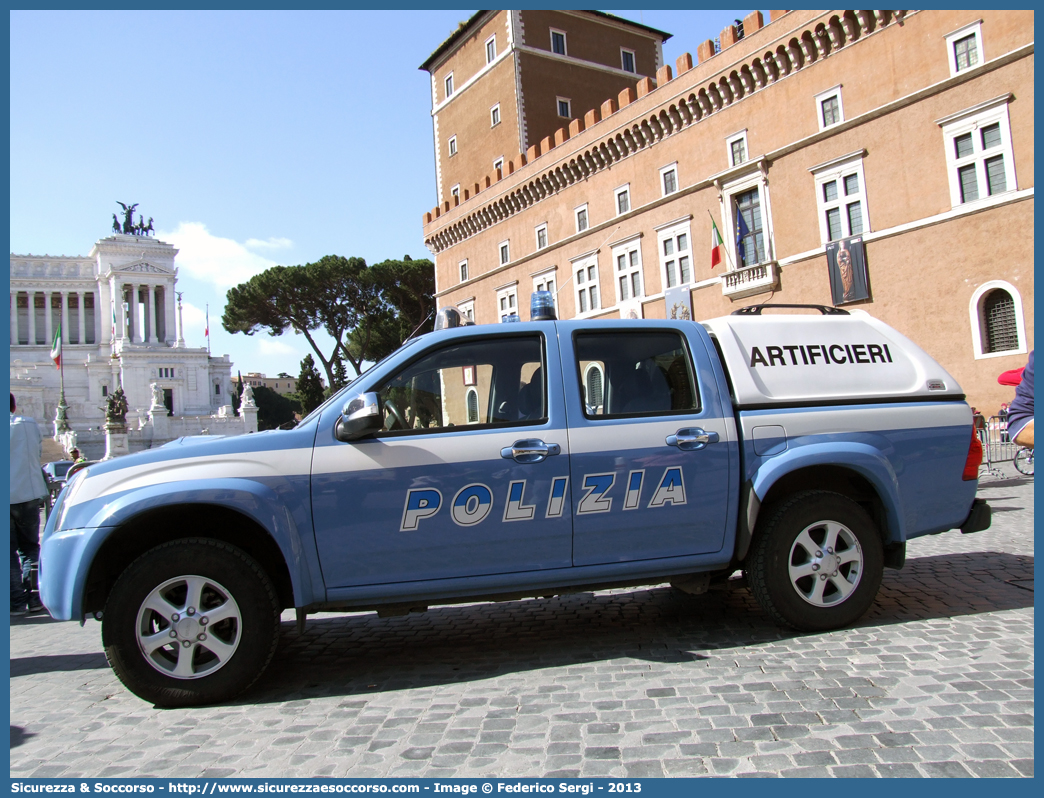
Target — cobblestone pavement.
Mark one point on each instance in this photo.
(937, 680)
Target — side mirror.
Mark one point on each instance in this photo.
(360, 417)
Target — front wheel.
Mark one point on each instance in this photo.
(191, 622)
(1024, 461)
(817, 562)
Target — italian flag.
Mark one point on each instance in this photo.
(716, 243)
(56, 347)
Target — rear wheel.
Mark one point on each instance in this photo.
(1024, 461)
(191, 622)
(817, 562)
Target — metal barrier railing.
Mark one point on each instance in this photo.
(997, 447)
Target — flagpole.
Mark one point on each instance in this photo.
(208, 329)
(62, 416)
(723, 244)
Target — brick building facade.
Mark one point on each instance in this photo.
(907, 135)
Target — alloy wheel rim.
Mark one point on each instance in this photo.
(825, 564)
(189, 627)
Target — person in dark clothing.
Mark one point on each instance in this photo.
(1020, 411)
(28, 489)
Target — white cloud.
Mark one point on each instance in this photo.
(269, 243)
(268, 346)
(193, 316)
(220, 261)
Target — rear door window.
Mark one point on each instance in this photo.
(643, 373)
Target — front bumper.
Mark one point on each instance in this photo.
(978, 519)
(64, 563)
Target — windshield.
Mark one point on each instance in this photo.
(316, 413)
(61, 469)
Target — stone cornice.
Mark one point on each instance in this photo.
(133, 245)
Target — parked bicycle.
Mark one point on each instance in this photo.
(1024, 461)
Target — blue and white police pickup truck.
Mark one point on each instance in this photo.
(504, 461)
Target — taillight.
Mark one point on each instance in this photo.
(971, 465)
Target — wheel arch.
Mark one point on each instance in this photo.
(157, 525)
(862, 473)
(840, 479)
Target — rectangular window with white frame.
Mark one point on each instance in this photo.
(455, 192)
(841, 197)
(748, 242)
(546, 282)
(448, 83)
(582, 220)
(453, 146)
(505, 253)
(558, 42)
(669, 179)
(964, 47)
(627, 60)
(541, 236)
(564, 106)
(623, 199)
(467, 309)
(750, 232)
(979, 157)
(507, 301)
(829, 109)
(494, 115)
(627, 270)
(463, 271)
(491, 48)
(498, 166)
(737, 148)
(674, 244)
(586, 285)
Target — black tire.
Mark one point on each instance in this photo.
(1024, 461)
(228, 583)
(801, 598)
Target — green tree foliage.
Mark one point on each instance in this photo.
(340, 376)
(407, 288)
(237, 393)
(367, 311)
(309, 386)
(335, 293)
(273, 409)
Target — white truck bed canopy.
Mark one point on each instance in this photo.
(782, 359)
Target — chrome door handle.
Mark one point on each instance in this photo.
(529, 450)
(691, 438)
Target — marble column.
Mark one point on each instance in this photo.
(170, 314)
(124, 310)
(65, 317)
(152, 314)
(32, 317)
(82, 317)
(14, 318)
(133, 298)
(48, 315)
(161, 314)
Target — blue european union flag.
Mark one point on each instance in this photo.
(742, 231)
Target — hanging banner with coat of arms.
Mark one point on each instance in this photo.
(679, 302)
(846, 263)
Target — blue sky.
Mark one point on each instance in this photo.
(251, 138)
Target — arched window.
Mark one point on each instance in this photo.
(473, 410)
(998, 326)
(595, 397)
(998, 313)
